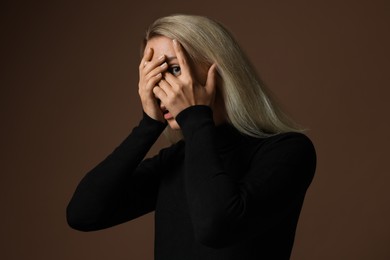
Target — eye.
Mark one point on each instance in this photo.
(175, 70)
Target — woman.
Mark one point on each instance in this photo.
(233, 185)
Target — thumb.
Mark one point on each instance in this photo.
(211, 78)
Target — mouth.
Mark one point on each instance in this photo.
(167, 115)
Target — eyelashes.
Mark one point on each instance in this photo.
(175, 70)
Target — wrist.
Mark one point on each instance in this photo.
(151, 119)
(195, 115)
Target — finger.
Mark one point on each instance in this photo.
(153, 81)
(153, 64)
(165, 86)
(181, 57)
(148, 54)
(173, 81)
(159, 93)
(157, 70)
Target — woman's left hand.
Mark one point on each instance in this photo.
(180, 92)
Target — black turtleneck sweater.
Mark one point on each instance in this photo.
(217, 194)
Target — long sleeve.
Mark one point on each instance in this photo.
(225, 209)
(120, 188)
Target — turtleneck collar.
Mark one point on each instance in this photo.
(227, 136)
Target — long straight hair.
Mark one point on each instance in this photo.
(248, 103)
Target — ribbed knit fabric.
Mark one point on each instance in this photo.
(217, 194)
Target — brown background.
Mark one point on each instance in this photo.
(69, 96)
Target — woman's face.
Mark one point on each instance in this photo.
(162, 45)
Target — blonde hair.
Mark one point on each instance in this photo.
(248, 103)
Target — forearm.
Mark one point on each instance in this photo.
(100, 192)
(268, 184)
(213, 197)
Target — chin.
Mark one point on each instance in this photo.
(173, 124)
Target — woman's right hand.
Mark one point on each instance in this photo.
(150, 73)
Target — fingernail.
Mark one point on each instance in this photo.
(161, 57)
(164, 64)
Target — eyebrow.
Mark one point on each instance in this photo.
(170, 59)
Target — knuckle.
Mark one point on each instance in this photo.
(171, 99)
(142, 74)
(148, 77)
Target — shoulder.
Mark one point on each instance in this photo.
(292, 141)
(295, 149)
(288, 155)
